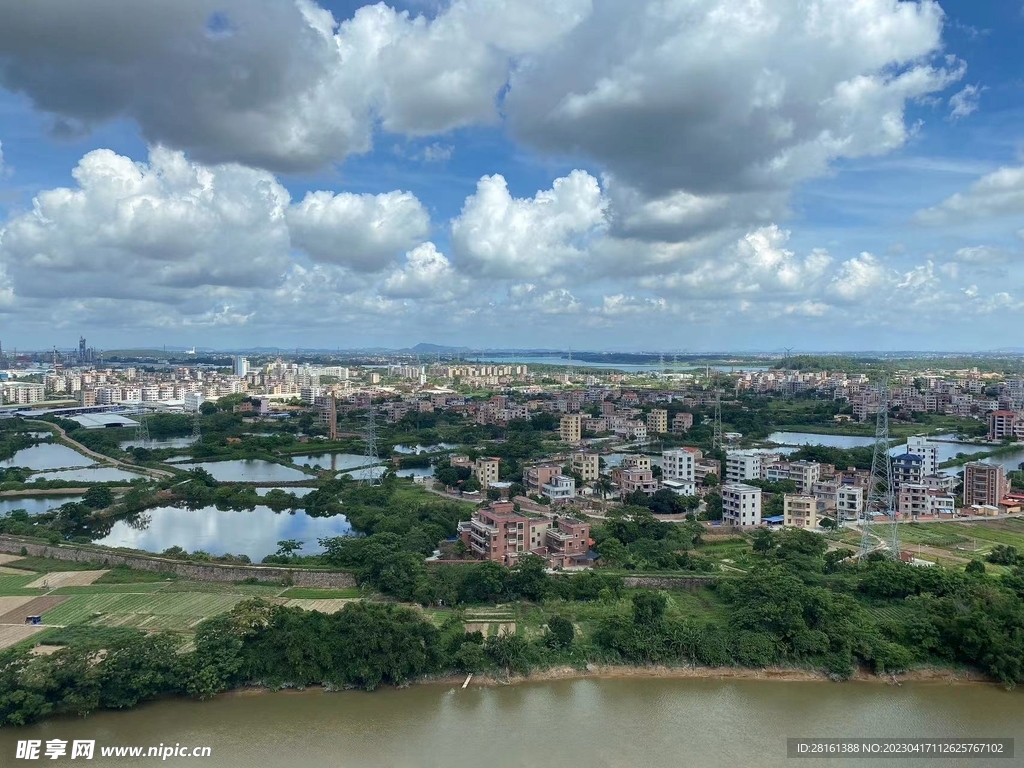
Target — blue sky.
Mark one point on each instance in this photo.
(581, 173)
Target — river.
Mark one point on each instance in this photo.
(609, 723)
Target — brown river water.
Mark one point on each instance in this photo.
(634, 722)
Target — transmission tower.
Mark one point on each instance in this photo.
(717, 443)
(142, 429)
(661, 363)
(370, 453)
(568, 373)
(880, 498)
(197, 425)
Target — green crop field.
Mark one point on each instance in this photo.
(252, 590)
(157, 611)
(950, 535)
(310, 593)
(98, 588)
(13, 585)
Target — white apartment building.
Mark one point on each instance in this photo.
(741, 505)
(680, 487)
(920, 446)
(679, 464)
(743, 465)
(21, 393)
(849, 501)
(560, 489)
(193, 400)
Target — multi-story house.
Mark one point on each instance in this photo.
(907, 468)
(501, 534)
(560, 490)
(586, 465)
(657, 422)
(679, 464)
(803, 473)
(535, 478)
(849, 501)
(485, 469)
(921, 446)
(570, 428)
(741, 505)
(1004, 425)
(682, 422)
(984, 484)
(743, 465)
(636, 461)
(632, 480)
(801, 510)
(704, 467)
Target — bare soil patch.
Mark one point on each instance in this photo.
(8, 604)
(36, 606)
(15, 633)
(66, 579)
(5, 558)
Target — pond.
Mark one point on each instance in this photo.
(88, 475)
(47, 456)
(221, 532)
(414, 449)
(337, 461)
(169, 442)
(34, 505)
(247, 471)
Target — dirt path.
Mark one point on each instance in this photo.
(158, 473)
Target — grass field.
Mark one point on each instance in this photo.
(307, 593)
(16, 585)
(966, 538)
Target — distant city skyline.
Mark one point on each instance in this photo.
(326, 173)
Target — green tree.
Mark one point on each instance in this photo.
(560, 632)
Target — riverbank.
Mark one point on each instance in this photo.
(779, 674)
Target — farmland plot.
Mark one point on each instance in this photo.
(11, 634)
(181, 610)
(66, 579)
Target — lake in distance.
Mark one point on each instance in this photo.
(598, 723)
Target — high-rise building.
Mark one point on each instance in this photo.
(570, 428)
(81, 349)
(241, 366)
(984, 484)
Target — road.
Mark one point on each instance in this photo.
(158, 473)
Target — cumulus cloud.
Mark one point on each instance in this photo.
(132, 229)
(1000, 193)
(497, 235)
(529, 298)
(426, 274)
(365, 232)
(281, 85)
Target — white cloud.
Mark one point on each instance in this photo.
(426, 274)
(527, 297)
(858, 278)
(365, 232)
(1000, 193)
(497, 235)
(965, 102)
(149, 229)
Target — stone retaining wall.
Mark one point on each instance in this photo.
(194, 571)
(668, 582)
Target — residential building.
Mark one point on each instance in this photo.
(984, 484)
(929, 453)
(570, 428)
(680, 463)
(586, 465)
(1004, 425)
(800, 510)
(918, 500)
(21, 392)
(636, 461)
(657, 422)
(907, 468)
(680, 487)
(560, 490)
(486, 470)
(241, 367)
(682, 422)
(501, 534)
(804, 473)
(632, 480)
(849, 501)
(741, 505)
(704, 467)
(743, 465)
(535, 478)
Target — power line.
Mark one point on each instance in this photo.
(881, 498)
(370, 452)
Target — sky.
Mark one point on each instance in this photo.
(658, 175)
